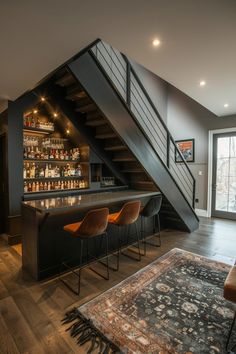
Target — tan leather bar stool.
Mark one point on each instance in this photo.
(127, 216)
(151, 210)
(230, 294)
(93, 225)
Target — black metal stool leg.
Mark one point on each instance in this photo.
(78, 274)
(157, 233)
(138, 243)
(229, 335)
(100, 261)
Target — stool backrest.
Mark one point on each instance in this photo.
(153, 206)
(94, 223)
(129, 213)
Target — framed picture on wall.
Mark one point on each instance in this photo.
(186, 147)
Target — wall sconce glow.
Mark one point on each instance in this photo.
(226, 105)
(156, 42)
(202, 83)
(67, 131)
(42, 99)
(35, 111)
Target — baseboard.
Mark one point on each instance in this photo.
(201, 212)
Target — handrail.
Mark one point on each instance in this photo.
(111, 61)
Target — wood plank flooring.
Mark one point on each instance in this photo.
(30, 312)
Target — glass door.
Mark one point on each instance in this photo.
(224, 176)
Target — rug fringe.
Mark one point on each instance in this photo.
(84, 330)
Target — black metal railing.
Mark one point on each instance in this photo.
(127, 83)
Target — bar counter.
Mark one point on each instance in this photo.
(45, 244)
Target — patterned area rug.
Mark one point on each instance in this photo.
(174, 306)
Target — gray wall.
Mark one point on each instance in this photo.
(188, 119)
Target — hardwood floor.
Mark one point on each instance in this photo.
(31, 312)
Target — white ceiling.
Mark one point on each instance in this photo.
(198, 41)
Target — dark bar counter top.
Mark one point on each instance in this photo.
(87, 201)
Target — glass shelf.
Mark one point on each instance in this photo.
(37, 130)
(55, 160)
(54, 178)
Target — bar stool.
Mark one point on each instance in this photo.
(230, 294)
(151, 210)
(93, 225)
(127, 216)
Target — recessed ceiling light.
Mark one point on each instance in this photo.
(35, 111)
(226, 105)
(55, 115)
(156, 42)
(42, 99)
(202, 83)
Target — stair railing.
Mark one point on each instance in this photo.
(126, 82)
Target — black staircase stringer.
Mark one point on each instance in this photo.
(56, 98)
(96, 85)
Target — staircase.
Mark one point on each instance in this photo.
(100, 93)
(102, 130)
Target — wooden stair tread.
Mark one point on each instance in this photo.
(65, 80)
(144, 182)
(115, 148)
(86, 108)
(105, 135)
(133, 171)
(120, 159)
(96, 122)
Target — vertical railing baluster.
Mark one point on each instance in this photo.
(128, 83)
(168, 150)
(194, 188)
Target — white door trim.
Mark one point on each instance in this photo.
(210, 163)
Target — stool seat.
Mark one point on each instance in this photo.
(72, 228)
(230, 285)
(112, 218)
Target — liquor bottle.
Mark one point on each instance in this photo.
(45, 154)
(25, 187)
(62, 185)
(49, 185)
(49, 171)
(36, 171)
(32, 171)
(24, 172)
(62, 156)
(41, 172)
(27, 170)
(79, 171)
(52, 172)
(41, 186)
(29, 152)
(32, 153)
(37, 153)
(25, 153)
(45, 187)
(46, 171)
(37, 187)
(33, 187)
(29, 187)
(51, 157)
(57, 155)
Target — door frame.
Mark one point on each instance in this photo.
(211, 133)
(4, 137)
